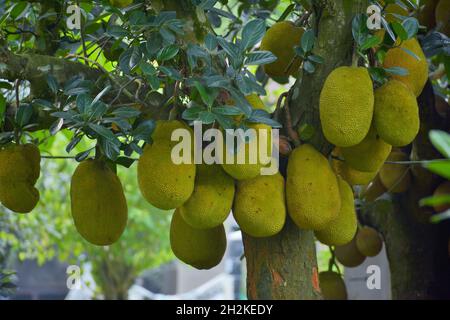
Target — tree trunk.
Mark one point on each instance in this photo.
(417, 251)
(285, 266)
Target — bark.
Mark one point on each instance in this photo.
(417, 250)
(285, 266)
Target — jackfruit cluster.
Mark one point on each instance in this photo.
(19, 171)
(98, 204)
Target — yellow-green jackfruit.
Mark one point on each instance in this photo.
(368, 155)
(342, 229)
(417, 68)
(332, 286)
(163, 183)
(248, 169)
(368, 242)
(396, 115)
(280, 39)
(99, 207)
(312, 191)
(19, 171)
(120, 3)
(200, 248)
(210, 203)
(352, 176)
(346, 106)
(396, 178)
(348, 254)
(259, 207)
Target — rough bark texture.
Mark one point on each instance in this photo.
(417, 250)
(285, 266)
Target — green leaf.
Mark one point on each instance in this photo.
(260, 58)
(436, 200)
(104, 132)
(206, 117)
(153, 44)
(100, 95)
(307, 41)
(308, 66)
(440, 217)
(210, 42)
(286, 12)
(117, 31)
(359, 28)
(167, 53)
(126, 112)
(23, 115)
(52, 83)
(82, 155)
(208, 95)
(192, 113)
(171, 72)
(316, 58)
(5, 85)
(441, 168)
(306, 131)
(144, 131)
(125, 161)
(397, 71)
(207, 4)
(371, 42)
(261, 116)
(399, 30)
(252, 33)
(227, 110)
(135, 57)
(83, 102)
(412, 54)
(441, 141)
(18, 9)
(411, 26)
(230, 48)
(2, 109)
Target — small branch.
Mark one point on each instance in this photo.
(289, 128)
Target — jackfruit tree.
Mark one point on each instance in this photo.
(363, 146)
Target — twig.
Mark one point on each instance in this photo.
(82, 34)
(289, 128)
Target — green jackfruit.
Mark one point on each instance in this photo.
(312, 191)
(417, 68)
(396, 115)
(200, 248)
(368, 242)
(280, 39)
(396, 178)
(332, 286)
(346, 106)
(348, 254)
(163, 183)
(19, 171)
(247, 169)
(120, 3)
(211, 201)
(352, 176)
(99, 207)
(368, 155)
(259, 207)
(342, 229)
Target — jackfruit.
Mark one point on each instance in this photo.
(417, 68)
(396, 115)
(374, 190)
(247, 169)
(443, 17)
(332, 286)
(342, 229)
(396, 178)
(259, 207)
(368, 242)
(368, 155)
(211, 201)
(346, 106)
(120, 3)
(348, 254)
(200, 248)
(99, 207)
(427, 13)
(441, 190)
(312, 191)
(163, 183)
(352, 176)
(19, 171)
(281, 39)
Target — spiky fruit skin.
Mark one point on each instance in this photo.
(259, 206)
(396, 178)
(396, 115)
(99, 207)
(19, 171)
(348, 254)
(163, 183)
(443, 17)
(427, 14)
(332, 286)
(417, 69)
(368, 242)
(342, 229)
(120, 3)
(200, 248)
(374, 190)
(248, 169)
(309, 178)
(346, 106)
(442, 189)
(368, 155)
(352, 176)
(210, 203)
(280, 39)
